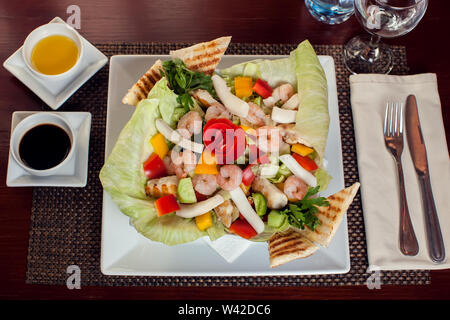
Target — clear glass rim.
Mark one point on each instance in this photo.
(401, 8)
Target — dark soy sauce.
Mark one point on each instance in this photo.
(44, 146)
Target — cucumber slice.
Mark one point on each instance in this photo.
(185, 190)
(260, 204)
(276, 219)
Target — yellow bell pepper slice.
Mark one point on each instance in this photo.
(302, 149)
(159, 144)
(246, 128)
(243, 86)
(207, 164)
(204, 221)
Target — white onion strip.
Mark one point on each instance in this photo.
(199, 208)
(241, 202)
(178, 139)
(235, 105)
(283, 115)
(298, 170)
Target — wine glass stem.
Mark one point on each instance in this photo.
(373, 51)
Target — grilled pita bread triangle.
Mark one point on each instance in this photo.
(331, 216)
(141, 88)
(289, 245)
(203, 57)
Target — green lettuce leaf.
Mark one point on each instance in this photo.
(168, 106)
(312, 120)
(323, 179)
(122, 174)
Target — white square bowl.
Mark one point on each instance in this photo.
(55, 92)
(72, 174)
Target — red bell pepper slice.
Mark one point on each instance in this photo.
(166, 205)
(243, 228)
(262, 88)
(247, 175)
(224, 139)
(306, 162)
(154, 167)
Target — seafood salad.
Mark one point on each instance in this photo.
(209, 152)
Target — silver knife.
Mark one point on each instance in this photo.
(416, 144)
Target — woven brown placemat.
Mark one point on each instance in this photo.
(65, 224)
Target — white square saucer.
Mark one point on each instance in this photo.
(73, 174)
(55, 93)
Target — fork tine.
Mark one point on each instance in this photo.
(396, 123)
(401, 118)
(391, 114)
(386, 118)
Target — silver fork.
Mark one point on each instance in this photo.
(393, 137)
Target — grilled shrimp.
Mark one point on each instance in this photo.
(217, 111)
(181, 163)
(229, 177)
(189, 124)
(256, 115)
(295, 188)
(205, 184)
(268, 138)
(283, 93)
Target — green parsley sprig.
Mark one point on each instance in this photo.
(183, 81)
(303, 213)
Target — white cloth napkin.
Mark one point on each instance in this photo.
(378, 173)
(229, 247)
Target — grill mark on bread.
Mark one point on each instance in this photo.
(143, 86)
(203, 57)
(290, 245)
(281, 240)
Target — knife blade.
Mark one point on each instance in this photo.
(436, 249)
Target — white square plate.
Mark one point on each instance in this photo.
(72, 174)
(55, 93)
(125, 252)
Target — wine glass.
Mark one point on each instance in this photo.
(381, 18)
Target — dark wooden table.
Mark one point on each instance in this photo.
(263, 21)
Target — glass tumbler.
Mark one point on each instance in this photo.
(330, 11)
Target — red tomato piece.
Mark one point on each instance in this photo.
(154, 167)
(247, 175)
(243, 228)
(262, 88)
(224, 139)
(306, 162)
(166, 205)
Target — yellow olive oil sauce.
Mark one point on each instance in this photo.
(54, 55)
